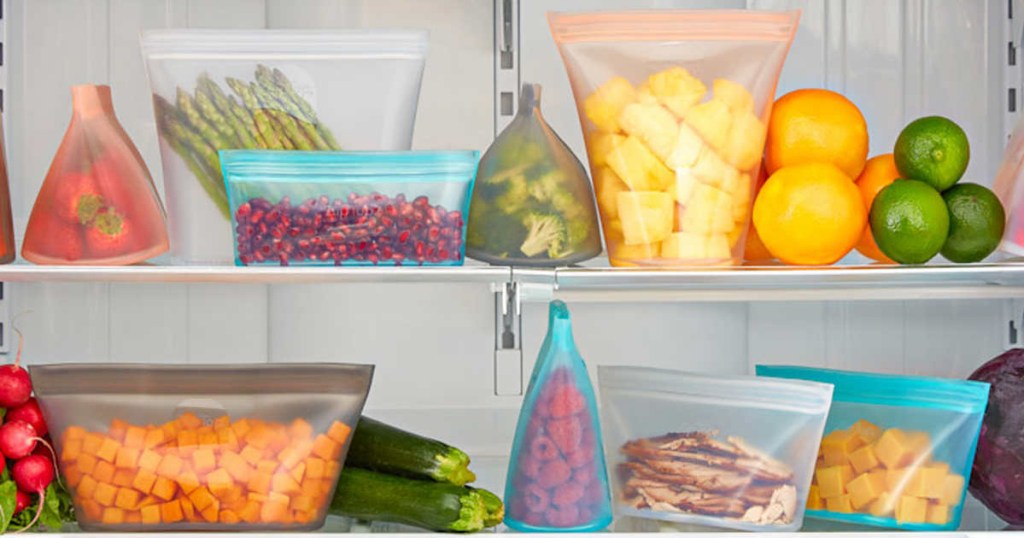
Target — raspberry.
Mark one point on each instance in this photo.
(536, 498)
(583, 456)
(567, 433)
(543, 448)
(567, 516)
(566, 401)
(529, 467)
(535, 519)
(567, 494)
(554, 473)
(583, 475)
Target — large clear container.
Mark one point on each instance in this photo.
(349, 208)
(714, 451)
(182, 448)
(270, 89)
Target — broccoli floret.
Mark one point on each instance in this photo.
(547, 233)
(578, 232)
(515, 198)
(545, 188)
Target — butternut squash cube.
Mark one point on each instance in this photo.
(219, 482)
(127, 458)
(135, 437)
(127, 499)
(229, 517)
(164, 488)
(87, 487)
(170, 512)
(91, 443)
(149, 460)
(71, 450)
(104, 494)
(86, 463)
(251, 512)
(123, 477)
(251, 454)
(315, 467)
(104, 471)
(170, 466)
(150, 514)
(201, 498)
(112, 516)
(188, 482)
(154, 437)
(108, 450)
(339, 432)
(144, 480)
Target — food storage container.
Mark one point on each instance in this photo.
(897, 450)
(192, 447)
(674, 106)
(557, 480)
(733, 452)
(270, 89)
(533, 204)
(6, 217)
(98, 204)
(1009, 187)
(349, 208)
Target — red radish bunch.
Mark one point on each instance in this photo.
(21, 436)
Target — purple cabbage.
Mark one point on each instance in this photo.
(997, 477)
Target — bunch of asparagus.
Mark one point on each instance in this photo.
(267, 114)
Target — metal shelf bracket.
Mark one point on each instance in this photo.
(508, 344)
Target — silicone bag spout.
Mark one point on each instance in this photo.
(557, 480)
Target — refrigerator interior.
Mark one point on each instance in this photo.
(433, 344)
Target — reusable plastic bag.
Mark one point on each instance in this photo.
(1009, 187)
(897, 450)
(735, 452)
(98, 204)
(557, 480)
(6, 217)
(349, 207)
(533, 204)
(270, 89)
(674, 107)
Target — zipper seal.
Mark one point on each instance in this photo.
(218, 43)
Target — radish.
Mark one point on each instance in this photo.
(15, 385)
(33, 473)
(17, 439)
(29, 412)
(21, 501)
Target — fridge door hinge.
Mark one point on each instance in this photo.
(508, 344)
(1013, 328)
(506, 62)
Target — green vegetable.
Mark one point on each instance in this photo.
(383, 448)
(264, 124)
(8, 490)
(547, 234)
(495, 508)
(242, 127)
(434, 506)
(309, 114)
(515, 198)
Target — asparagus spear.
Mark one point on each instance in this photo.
(263, 122)
(188, 107)
(245, 117)
(200, 158)
(218, 120)
(289, 129)
(242, 128)
(286, 85)
(265, 79)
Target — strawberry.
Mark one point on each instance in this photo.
(566, 433)
(128, 189)
(567, 494)
(562, 517)
(109, 235)
(53, 238)
(554, 473)
(75, 198)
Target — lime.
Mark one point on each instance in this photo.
(909, 221)
(934, 150)
(976, 221)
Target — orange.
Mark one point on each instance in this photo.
(754, 251)
(879, 172)
(809, 214)
(815, 125)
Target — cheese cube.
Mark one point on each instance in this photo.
(911, 510)
(952, 489)
(840, 504)
(814, 500)
(938, 514)
(883, 506)
(892, 448)
(920, 448)
(899, 480)
(831, 481)
(863, 459)
(864, 489)
(837, 446)
(932, 480)
(868, 432)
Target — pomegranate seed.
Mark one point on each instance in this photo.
(403, 237)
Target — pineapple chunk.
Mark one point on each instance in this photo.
(638, 167)
(696, 246)
(686, 181)
(644, 95)
(712, 121)
(734, 95)
(741, 200)
(688, 148)
(746, 141)
(606, 103)
(676, 89)
(621, 254)
(708, 211)
(718, 247)
(607, 187)
(711, 169)
(653, 125)
(646, 217)
(599, 145)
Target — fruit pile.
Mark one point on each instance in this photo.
(823, 197)
(557, 480)
(360, 229)
(886, 474)
(672, 166)
(186, 471)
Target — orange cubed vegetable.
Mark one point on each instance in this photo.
(315, 467)
(135, 437)
(304, 516)
(86, 463)
(188, 439)
(236, 505)
(863, 459)
(303, 502)
(188, 482)
(258, 437)
(251, 512)
(210, 513)
(188, 509)
(104, 472)
(150, 514)
(231, 494)
(73, 432)
(208, 438)
(72, 476)
(117, 430)
(127, 458)
(311, 487)
(144, 480)
(189, 421)
(339, 432)
(267, 466)
(814, 500)
(259, 482)
(298, 472)
(221, 422)
(154, 437)
(300, 429)
(112, 516)
(92, 442)
(251, 454)
(108, 450)
(227, 516)
(952, 489)
(203, 460)
(292, 455)
(937, 514)
(170, 512)
(170, 430)
(123, 477)
(71, 450)
(164, 488)
(257, 497)
(149, 460)
(333, 468)
(132, 516)
(911, 510)
(840, 504)
(241, 427)
(148, 500)
(236, 466)
(170, 466)
(91, 509)
(104, 494)
(201, 498)
(274, 511)
(87, 487)
(227, 438)
(283, 483)
(219, 482)
(324, 447)
(126, 498)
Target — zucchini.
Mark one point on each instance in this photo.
(495, 508)
(363, 494)
(386, 449)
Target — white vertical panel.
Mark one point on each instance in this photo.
(952, 338)
(147, 322)
(787, 333)
(227, 323)
(807, 62)
(62, 322)
(866, 336)
(314, 14)
(227, 13)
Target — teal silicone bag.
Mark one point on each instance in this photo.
(557, 480)
(349, 208)
(897, 450)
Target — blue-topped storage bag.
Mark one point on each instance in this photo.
(557, 479)
(349, 208)
(897, 450)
